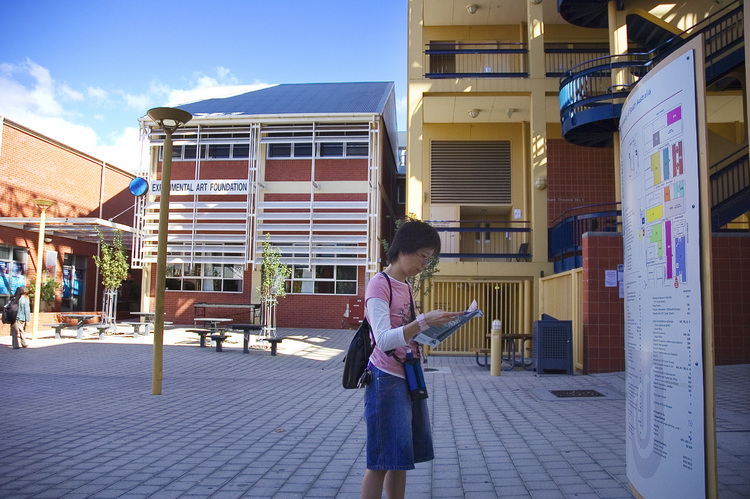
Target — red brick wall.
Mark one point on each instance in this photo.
(32, 166)
(603, 310)
(317, 311)
(731, 298)
(577, 176)
(278, 170)
(603, 332)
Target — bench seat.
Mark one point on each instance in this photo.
(58, 327)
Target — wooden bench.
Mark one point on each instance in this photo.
(202, 333)
(273, 342)
(58, 326)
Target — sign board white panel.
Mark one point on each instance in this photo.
(662, 287)
(202, 187)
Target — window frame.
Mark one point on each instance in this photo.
(180, 274)
(312, 279)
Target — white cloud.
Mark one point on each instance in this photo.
(30, 96)
(98, 94)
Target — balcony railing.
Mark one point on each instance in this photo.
(560, 59)
(565, 249)
(478, 240)
(730, 188)
(476, 60)
(501, 60)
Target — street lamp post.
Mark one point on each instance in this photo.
(43, 204)
(169, 120)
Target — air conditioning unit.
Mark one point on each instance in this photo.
(553, 346)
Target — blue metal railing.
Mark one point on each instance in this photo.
(730, 188)
(569, 227)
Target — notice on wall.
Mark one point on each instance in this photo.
(662, 288)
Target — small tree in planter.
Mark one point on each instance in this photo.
(272, 284)
(48, 288)
(113, 266)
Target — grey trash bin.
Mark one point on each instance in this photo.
(553, 346)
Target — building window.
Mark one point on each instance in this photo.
(205, 277)
(211, 151)
(12, 271)
(280, 150)
(323, 279)
(332, 150)
(74, 282)
(219, 151)
(356, 150)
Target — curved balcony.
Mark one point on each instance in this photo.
(565, 247)
(592, 93)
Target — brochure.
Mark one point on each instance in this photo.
(437, 334)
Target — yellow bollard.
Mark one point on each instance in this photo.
(496, 348)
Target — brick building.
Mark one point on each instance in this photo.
(89, 195)
(313, 167)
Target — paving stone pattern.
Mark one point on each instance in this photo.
(80, 421)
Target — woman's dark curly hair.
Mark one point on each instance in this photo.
(412, 236)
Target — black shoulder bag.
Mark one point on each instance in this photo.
(359, 351)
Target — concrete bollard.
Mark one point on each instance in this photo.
(496, 348)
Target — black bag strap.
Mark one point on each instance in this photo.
(390, 299)
(392, 353)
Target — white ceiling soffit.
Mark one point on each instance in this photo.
(488, 13)
(492, 109)
(79, 229)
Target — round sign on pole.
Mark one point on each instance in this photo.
(138, 186)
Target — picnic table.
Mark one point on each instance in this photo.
(81, 318)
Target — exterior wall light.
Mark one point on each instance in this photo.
(471, 8)
(540, 183)
(473, 113)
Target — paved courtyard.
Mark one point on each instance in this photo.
(80, 421)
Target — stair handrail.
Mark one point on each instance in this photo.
(649, 58)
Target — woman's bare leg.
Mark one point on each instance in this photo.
(372, 484)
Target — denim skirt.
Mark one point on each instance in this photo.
(398, 428)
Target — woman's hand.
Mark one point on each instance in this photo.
(439, 317)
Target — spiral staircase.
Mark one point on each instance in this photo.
(590, 105)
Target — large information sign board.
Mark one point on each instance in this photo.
(662, 284)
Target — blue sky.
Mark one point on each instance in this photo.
(83, 71)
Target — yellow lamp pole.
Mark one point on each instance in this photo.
(169, 120)
(43, 204)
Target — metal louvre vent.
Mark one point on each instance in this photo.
(470, 172)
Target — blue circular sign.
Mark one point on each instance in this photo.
(138, 186)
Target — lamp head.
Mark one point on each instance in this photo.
(168, 118)
(473, 113)
(472, 8)
(43, 203)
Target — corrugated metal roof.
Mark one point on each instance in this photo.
(300, 98)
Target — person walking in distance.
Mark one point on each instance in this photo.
(398, 423)
(18, 327)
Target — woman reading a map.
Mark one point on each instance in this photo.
(398, 424)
